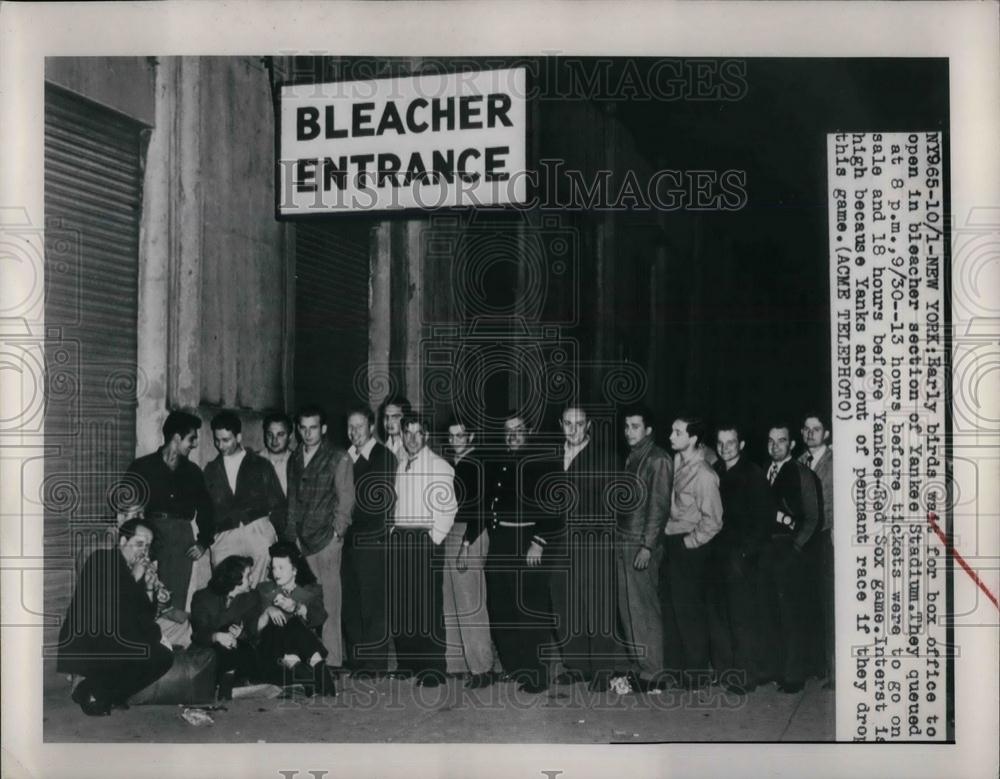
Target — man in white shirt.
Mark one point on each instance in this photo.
(277, 437)
(423, 516)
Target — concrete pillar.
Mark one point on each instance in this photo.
(414, 312)
(154, 268)
(170, 254)
(380, 315)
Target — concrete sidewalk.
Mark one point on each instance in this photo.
(392, 711)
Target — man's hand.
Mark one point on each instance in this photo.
(462, 561)
(195, 551)
(139, 568)
(534, 555)
(276, 615)
(224, 639)
(641, 561)
(284, 603)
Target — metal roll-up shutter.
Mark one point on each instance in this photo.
(92, 207)
(331, 316)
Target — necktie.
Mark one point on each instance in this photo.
(409, 462)
(809, 460)
(772, 472)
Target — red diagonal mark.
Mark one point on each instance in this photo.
(932, 518)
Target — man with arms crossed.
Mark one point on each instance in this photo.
(320, 500)
(248, 503)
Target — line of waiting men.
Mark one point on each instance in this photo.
(541, 554)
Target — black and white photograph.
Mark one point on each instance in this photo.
(502, 396)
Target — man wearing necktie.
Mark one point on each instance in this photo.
(787, 600)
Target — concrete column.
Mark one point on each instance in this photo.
(170, 254)
(155, 251)
(414, 312)
(186, 270)
(380, 315)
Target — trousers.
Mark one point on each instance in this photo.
(639, 610)
(518, 602)
(685, 619)
(416, 613)
(466, 620)
(252, 540)
(365, 599)
(326, 565)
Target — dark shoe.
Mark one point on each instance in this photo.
(829, 685)
(226, 684)
(791, 687)
(324, 681)
(533, 688)
(478, 681)
(740, 689)
(430, 679)
(569, 677)
(91, 703)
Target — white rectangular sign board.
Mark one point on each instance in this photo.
(419, 142)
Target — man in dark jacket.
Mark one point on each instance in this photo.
(110, 635)
(649, 472)
(735, 618)
(467, 622)
(320, 500)
(581, 548)
(248, 504)
(172, 493)
(365, 549)
(796, 493)
(518, 589)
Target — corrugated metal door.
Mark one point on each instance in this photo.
(92, 205)
(331, 317)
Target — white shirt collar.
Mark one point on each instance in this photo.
(365, 451)
(817, 455)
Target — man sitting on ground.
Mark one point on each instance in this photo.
(110, 635)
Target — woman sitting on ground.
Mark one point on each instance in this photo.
(224, 617)
(291, 604)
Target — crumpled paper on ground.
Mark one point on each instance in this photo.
(197, 717)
